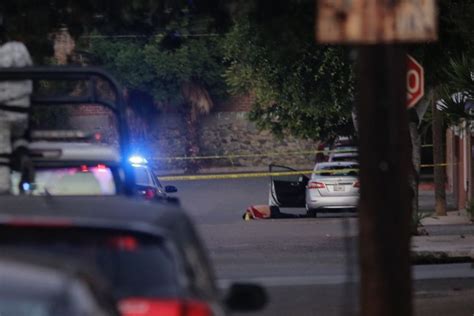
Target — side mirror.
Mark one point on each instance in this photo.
(246, 297)
(170, 189)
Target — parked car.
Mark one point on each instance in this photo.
(148, 184)
(151, 255)
(343, 154)
(332, 185)
(48, 286)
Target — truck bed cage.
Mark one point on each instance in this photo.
(77, 73)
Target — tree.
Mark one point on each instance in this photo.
(459, 92)
(299, 87)
(180, 66)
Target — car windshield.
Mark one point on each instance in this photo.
(81, 180)
(142, 176)
(134, 265)
(336, 170)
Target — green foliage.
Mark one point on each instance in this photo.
(416, 224)
(299, 87)
(454, 40)
(459, 91)
(159, 65)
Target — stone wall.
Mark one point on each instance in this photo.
(231, 136)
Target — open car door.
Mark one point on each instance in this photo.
(287, 189)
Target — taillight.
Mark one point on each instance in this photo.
(127, 243)
(356, 184)
(155, 307)
(150, 194)
(316, 185)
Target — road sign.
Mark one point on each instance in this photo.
(376, 21)
(415, 82)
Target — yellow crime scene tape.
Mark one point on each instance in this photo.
(255, 174)
(224, 176)
(249, 155)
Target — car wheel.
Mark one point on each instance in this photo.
(311, 212)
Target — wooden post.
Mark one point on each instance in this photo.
(384, 151)
(385, 160)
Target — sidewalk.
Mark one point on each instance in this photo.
(450, 239)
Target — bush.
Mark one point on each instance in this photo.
(416, 225)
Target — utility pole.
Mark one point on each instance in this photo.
(385, 199)
(379, 28)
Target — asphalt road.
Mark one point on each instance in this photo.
(309, 266)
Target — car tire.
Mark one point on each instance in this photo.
(311, 212)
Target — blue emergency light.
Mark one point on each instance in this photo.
(137, 160)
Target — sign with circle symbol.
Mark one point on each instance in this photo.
(415, 82)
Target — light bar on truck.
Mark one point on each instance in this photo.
(59, 134)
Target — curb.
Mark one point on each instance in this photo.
(441, 257)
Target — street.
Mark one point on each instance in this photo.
(309, 266)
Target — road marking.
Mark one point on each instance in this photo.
(290, 281)
(420, 272)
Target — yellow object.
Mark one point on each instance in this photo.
(247, 216)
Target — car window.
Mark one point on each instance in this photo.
(336, 170)
(142, 176)
(344, 158)
(134, 265)
(82, 180)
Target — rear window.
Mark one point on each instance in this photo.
(345, 158)
(134, 265)
(81, 180)
(336, 170)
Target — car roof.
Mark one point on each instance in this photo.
(73, 151)
(102, 211)
(336, 163)
(345, 147)
(346, 154)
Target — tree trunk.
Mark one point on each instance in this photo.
(438, 160)
(385, 159)
(192, 140)
(415, 143)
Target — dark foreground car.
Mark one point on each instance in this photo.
(149, 253)
(45, 286)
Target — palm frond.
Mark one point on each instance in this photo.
(197, 96)
(457, 103)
